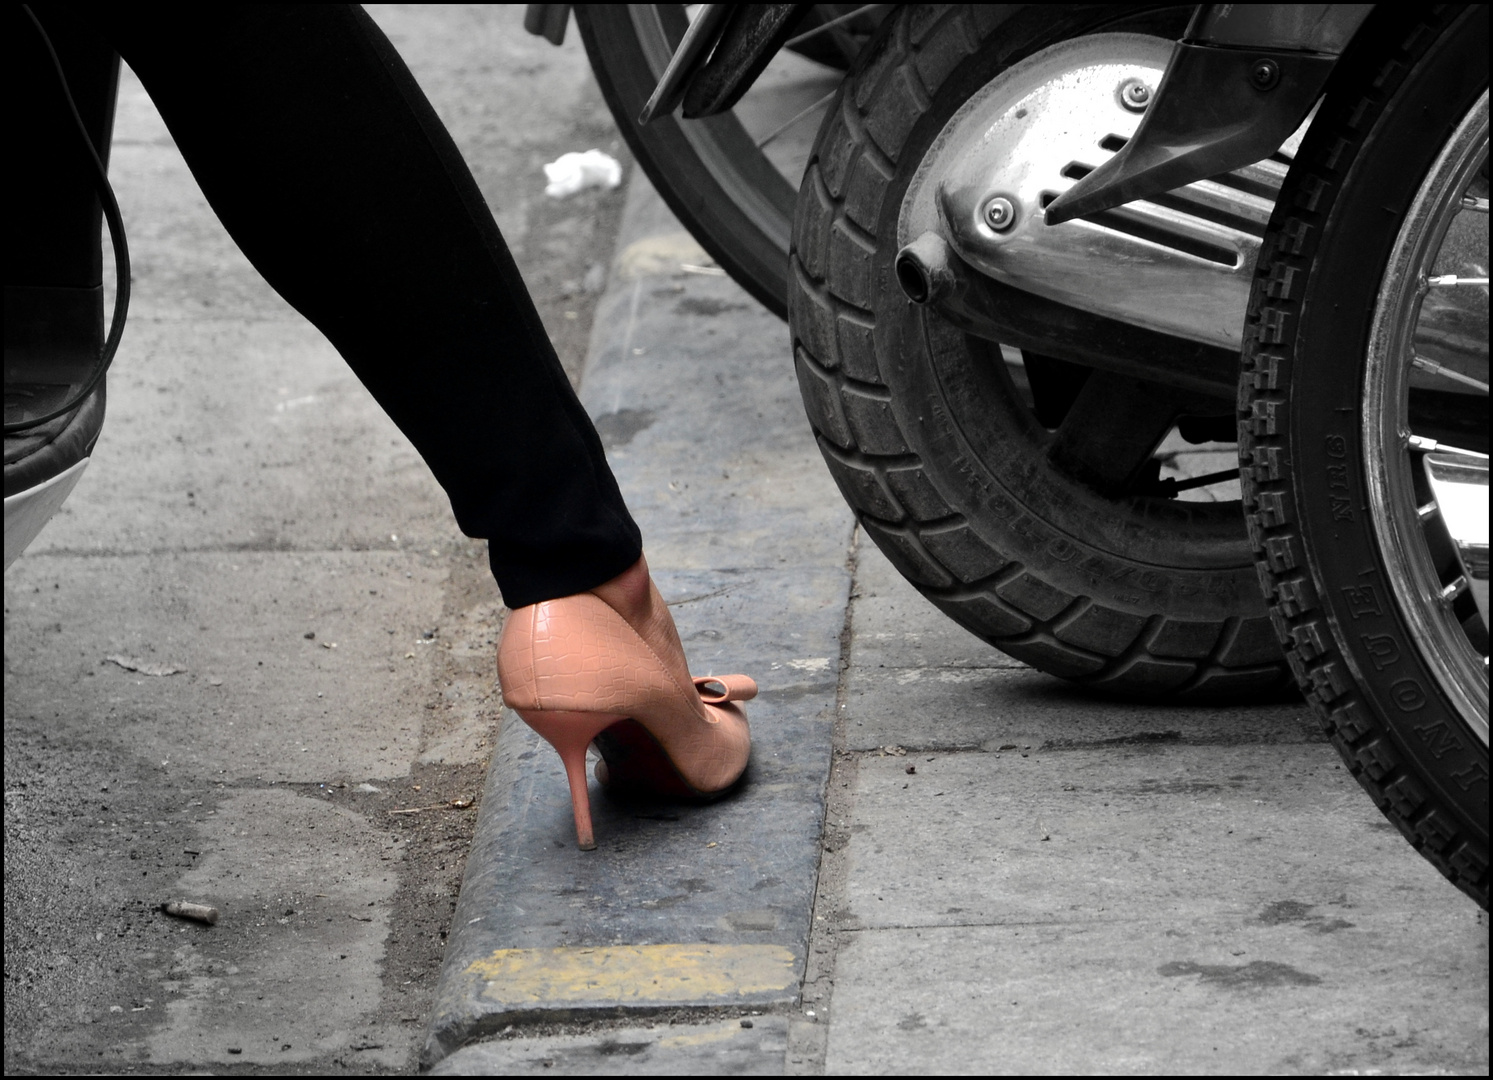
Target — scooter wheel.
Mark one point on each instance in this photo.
(944, 460)
(1365, 387)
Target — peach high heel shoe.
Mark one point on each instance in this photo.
(607, 666)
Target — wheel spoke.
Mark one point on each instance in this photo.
(821, 103)
(809, 35)
(1419, 442)
(1444, 281)
(1426, 364)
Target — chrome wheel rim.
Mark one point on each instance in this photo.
(1409, 530)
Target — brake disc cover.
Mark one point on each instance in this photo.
(1180, 264)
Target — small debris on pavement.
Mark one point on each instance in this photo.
(130, 663)
(451, 804)
(912, 770)
(184, 909)
(573, 172)
(309, 635)
(746, 1023)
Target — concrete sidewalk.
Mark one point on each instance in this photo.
(1029, 879)
(1014, 876)
(250, 663)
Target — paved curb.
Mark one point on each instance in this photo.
(721, 1048)
(689, 384)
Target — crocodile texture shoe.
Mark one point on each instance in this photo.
(578, 670)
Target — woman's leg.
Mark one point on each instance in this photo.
(329, 168)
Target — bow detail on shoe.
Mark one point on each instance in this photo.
(732, 688)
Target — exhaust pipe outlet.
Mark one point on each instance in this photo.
(925, 269)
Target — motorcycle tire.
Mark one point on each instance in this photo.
(1351, 551)
(710, 172)
(935, 448)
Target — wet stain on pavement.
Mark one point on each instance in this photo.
(1256, 975)
(664, 901)
(758, 919)
(704, 305)
(612, 1048)
(621, 427)
(1282, 912)
(1176, 787)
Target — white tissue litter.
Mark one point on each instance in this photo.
(574, 172)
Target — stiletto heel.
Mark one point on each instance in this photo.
(570, 733)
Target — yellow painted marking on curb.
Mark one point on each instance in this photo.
(628, 974)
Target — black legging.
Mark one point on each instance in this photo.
(329, 168)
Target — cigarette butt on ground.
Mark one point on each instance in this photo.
(198, 912)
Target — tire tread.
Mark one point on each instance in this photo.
(891, 87)
(1298, 614)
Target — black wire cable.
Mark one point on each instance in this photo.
(116, 235)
